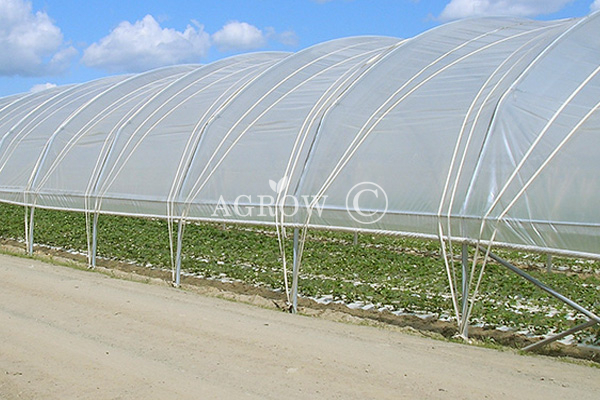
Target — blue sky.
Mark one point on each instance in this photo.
(55, 42)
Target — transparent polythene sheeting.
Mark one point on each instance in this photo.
(162, 140)
(25, 145)
(94, 143)
(254, 139)
(479, 130)
(4, 101)
(87, 137)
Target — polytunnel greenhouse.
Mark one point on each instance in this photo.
(482, 131)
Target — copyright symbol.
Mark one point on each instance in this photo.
(366, 202)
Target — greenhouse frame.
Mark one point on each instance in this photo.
(482, 132)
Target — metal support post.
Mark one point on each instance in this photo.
(26, 226)
(560, 335)
(177, 282)
(30, 235)
(545, 288)
(465, 291)
(355, 241)
(549, 263)
(296, 267)
(94, 240)
(594, 319)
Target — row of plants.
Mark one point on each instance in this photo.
(403, 275)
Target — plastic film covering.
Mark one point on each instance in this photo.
(479, 130)
(254, 139)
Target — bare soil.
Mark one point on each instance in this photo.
(73, 334)
(265, 297)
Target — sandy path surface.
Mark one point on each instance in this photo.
(70, 334)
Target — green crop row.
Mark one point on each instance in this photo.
(399, 274)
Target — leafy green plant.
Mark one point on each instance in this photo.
(400, 274)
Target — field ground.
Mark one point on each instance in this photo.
(402, 277)
(73, 334)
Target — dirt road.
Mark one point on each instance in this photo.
(70, 334)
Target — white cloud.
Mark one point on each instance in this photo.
(521, 8)
(595, 6)
(239, 36)
(287, 38)
(145, 45)
(42, 86)
(30, 43)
